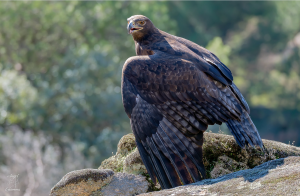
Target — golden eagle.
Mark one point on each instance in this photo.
(172, 90)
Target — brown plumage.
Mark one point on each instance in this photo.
(172, 90)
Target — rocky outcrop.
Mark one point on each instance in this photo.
(127, 158)
(126, 144)
(225, 165)
(228, 167)
(124, 184)
(125, 147)
(219, 149)
(82, 182)
(276, 177)
(221, 155)
(133, 163)
(95, 182)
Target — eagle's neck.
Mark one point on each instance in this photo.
(144, 43)
(143, 49)
(146, 37)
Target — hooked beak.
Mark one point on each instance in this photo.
(131, 28)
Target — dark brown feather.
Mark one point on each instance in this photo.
(171, 92)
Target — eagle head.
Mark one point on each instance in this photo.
(139, 26)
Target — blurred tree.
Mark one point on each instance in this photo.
(264, 40)
(36, 160)
(17, 97)
(72, 54)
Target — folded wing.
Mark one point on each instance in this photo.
(170, 103)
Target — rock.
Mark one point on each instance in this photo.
(225, 165)
(124, 184)
(219, 152)
(275, 177)
(126, 144)
(114, 163)
(128, 160)
(133, 163)
(82, 182)
(216, 145)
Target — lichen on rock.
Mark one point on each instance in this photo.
(218, 146)
(128, 160)
(114, 163)
(225, 165)
(126, 145)
(124, 184)
(219, 150)
(82, 182)
(133, 163)
(275, 177)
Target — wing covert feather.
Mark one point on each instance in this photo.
(170, 103)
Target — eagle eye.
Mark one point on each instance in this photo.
(141, 22)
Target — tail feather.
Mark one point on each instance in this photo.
(244, 131)
(147, 161)
(187, 169)
(162, 164)
(182, 143)
(159, 170)
(236, 133)
(170, 156)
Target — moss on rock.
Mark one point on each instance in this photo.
(225, 165)
(275, 177)
(133, 163)
(126, 144)
(221, 155)
(220, 145)
(114, 163)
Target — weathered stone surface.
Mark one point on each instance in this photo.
(128, 160)
(133, 163)
(276, 177)
(82, 182)
(225, 165)
(124, 184)
(114, 163)
(217, 145)
(219, 151)
(126, 144)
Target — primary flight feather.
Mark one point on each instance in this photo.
(172, 90)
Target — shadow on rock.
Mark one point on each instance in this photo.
(248, 174)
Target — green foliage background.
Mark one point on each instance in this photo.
(61, 62)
